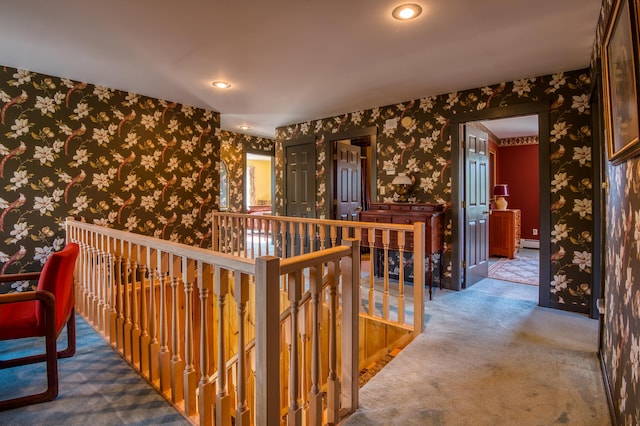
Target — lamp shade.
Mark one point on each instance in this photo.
(501, 190)
(402, 179)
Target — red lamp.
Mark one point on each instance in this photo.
(501, 190)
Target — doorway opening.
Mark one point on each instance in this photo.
(458, 212)
(514, 162)
(352, 171)
(259, 184)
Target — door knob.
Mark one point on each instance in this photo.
(308, 209)
(359, 209)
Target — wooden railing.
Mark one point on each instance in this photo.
(227, 339)
(250, 236)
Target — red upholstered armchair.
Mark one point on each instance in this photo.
(43, 312)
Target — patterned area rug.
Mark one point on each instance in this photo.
(523, 269)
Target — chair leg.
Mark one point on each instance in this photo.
(51, 358)
(71, 337)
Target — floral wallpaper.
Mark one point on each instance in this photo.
(233, 147)
(620, 346)
(114, 158)
(415, 137)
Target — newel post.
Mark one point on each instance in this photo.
(350, 324)
(267, 341)
(418, 276)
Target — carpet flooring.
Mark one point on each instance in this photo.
(490, 356)
(97, 388)
(523, 269)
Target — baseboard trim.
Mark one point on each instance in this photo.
(607, 389)
(528, 243)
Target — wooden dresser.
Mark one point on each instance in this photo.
(504, 233)
(432, 215)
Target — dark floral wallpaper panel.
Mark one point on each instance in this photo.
(110, 157)
(620, 347)
(419, 144)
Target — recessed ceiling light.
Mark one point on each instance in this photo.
(406, 11)
(221, 84)
(245, 127)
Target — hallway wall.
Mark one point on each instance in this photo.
(115, 158)
(415, 137)
(620, 346)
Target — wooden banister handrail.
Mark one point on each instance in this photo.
(195, 253)
(324, 222)
(308, 260)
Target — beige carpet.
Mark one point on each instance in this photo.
(490, 356)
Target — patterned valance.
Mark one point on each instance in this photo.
(524, 140)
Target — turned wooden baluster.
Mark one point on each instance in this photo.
(302, 236)
(88, 285)
(315, 396)
(113, 286)
(241, 294)
(177, 363)
(204, 277)
(215, 232)
(223, 234)
(190, 379)
(128, 324)
(323, 235)
(121, 289)
(294, 416)
(372, 265)
(305, 337)
(143, 259)
(223, 401)
(101, 283)
(247, 223)
(333, 384)
(95, 277)
(88, 272)
(237, 235)
(401, 243)
(91, 279)
(154, 259)
(164, 356)
(106, 306)
(135, 310)
(334, 235)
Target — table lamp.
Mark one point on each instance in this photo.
(501, 190)
(402, 184)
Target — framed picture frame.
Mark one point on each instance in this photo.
(492, 171)
(620, 70)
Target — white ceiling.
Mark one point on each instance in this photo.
(513, 127)
(295, 60)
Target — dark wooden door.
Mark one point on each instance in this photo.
(300, 163)
(300, 192)
(476, 199)
(348, 182)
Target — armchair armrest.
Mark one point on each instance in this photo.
(26, 276)
(42, 295)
